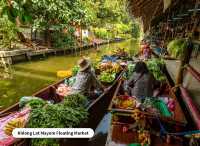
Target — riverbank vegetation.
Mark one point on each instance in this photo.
(61, 24)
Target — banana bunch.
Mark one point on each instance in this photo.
(137, 115)
(116, 68)
(144, 137)
(15, 123)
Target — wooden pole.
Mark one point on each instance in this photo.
(187, 51)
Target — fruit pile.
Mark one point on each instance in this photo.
(125, 102)
(11, 125)
(64, 73)
(109, 67)
(144, 137)
(120, 52)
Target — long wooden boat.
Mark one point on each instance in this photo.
(97, 108)
(124, 118)
(178, 118)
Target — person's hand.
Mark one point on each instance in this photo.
(106, 89)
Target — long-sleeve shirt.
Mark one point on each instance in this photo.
(143, 87)
(85, 81)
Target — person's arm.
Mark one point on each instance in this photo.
(128, 83)
(95, 82)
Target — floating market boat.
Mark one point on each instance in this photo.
(128, 122)
(99, 104)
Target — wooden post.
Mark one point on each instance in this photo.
(184, 61)
(187, 51)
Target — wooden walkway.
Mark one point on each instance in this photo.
(190, 82)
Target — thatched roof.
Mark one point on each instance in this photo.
(149, 10)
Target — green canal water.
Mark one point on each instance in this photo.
(29, 77)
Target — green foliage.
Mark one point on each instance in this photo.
(102, 33)
(176, 47)
(68, 114)
(136, 29)
(64, 40)
(8, 33)
(123, 28)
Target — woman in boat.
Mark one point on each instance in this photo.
(142, 82)
(85, 80)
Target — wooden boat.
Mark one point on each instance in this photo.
(99, 104)
(117, 137)
(124, 118)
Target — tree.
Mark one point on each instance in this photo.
(44, 14)
(8, 33)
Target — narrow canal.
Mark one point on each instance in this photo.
(29, 77)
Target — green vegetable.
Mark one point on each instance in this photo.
(32, 101)
(176, 47)
(36, 103)
(155, 66)
(70, 113)
(75, 100)
(75, 70)
(131, 68)
(107, 77)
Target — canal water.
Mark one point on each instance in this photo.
(29, 77)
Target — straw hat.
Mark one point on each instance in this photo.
(83, 64)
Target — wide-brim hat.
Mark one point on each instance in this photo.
(84, 64)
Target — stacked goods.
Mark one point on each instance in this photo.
(110, 67)
(14, 123)
(120, 52)
(125, 102)
(107, 77)
(64, 73)
(36, 103)
(108, 71)
(63, 90)
(144, 138)
(70, 113)
(155, 66)
(31, 101)
(9, 123)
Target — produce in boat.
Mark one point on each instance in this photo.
(120, 52)
(125, 102)
(107, 77)
(15, 123)
(110, 67)
(75, 100)
(64, 73)
(155, 66)
(144, 137)
(75, 70)
(67, 114)
(63, 90)
(36, 103)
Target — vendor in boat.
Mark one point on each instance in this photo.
(146, 51)
(142, 82)
(85, 79)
